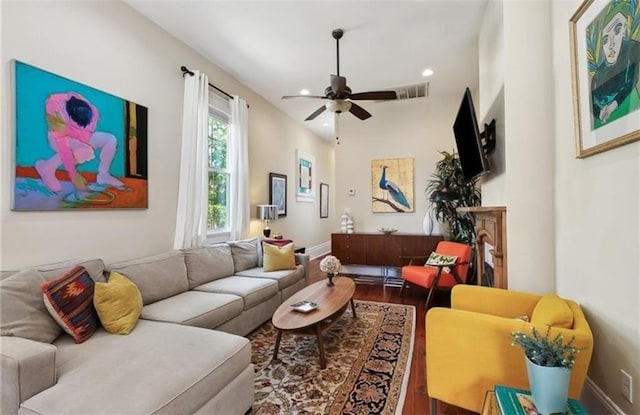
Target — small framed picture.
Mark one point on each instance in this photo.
(305, 177)
(278, 192)
(324, 200)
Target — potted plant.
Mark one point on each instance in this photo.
(549, 363)
(448, 174)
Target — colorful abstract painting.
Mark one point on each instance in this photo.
(76, 146)
(392, 185)
(605, 52)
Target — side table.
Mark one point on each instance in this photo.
(490, 405)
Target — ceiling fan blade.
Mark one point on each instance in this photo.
(375, 95)
(359, 112)
(304, 96)
(338, 84)
(316, 113)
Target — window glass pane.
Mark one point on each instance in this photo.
(218, 215)
(218, 131)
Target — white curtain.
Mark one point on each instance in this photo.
(191, 218)
(239, 166)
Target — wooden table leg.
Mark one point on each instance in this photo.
(323, 363)
(275, 351)
(353, 309)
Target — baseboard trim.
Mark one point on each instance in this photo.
(319, 250)
(595, 400)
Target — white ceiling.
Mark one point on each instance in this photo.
(280, 47)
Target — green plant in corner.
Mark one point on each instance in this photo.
(448, 173)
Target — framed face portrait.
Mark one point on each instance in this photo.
(605, 58)
(278, 192)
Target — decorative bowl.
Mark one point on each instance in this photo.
(387, 231)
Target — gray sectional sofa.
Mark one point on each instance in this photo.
(185, 356)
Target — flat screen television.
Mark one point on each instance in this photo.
(471, 150)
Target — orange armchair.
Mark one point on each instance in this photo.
(433, 277)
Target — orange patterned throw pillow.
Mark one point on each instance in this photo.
(69, 300)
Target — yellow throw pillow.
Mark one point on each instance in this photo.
(552, 310)
(277, 258)
(118, 303)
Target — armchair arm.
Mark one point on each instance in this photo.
(494, 301)
(304, 260)
(468, 353)
(28, 368)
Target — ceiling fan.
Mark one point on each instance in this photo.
(339, 94)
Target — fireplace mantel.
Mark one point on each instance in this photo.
(491, 228)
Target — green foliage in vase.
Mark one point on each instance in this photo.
(544, 351)
(448, 173)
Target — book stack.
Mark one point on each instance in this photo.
(513, 401)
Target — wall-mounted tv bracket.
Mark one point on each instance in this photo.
(488, 137)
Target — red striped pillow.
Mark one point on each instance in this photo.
(69, 300)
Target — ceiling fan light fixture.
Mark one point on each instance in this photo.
(338, 105)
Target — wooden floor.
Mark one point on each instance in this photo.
(417, 401)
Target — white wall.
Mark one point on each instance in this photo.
(110, 47)
(518, 96)
(597, 213)
(491, 70)
(417, 128)
(591, 229)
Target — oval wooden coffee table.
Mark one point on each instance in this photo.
(332, 301)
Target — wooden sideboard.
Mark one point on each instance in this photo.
(378, 249)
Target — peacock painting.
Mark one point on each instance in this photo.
(392, 185)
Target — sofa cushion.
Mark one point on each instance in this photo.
(252, 290)
(69, 299)
(208, 263)
(169, 369)
(118, 304)
(157, 276)
(195, 308)
(272, 241)
(95, 268)
(552, 310)
(284, 278)
(278, 258)
(244, 253)
(22, 310)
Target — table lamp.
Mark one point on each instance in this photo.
(267, 213)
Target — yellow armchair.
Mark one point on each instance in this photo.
(469, 351)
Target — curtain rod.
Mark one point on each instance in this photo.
(186, 70)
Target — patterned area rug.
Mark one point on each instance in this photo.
(368, 362)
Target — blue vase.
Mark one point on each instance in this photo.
(549, 387)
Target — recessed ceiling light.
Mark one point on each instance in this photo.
(324, 124)
(304, 92)
(427, 72)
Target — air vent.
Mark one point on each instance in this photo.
(420, 90)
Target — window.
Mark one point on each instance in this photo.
(219, 173)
